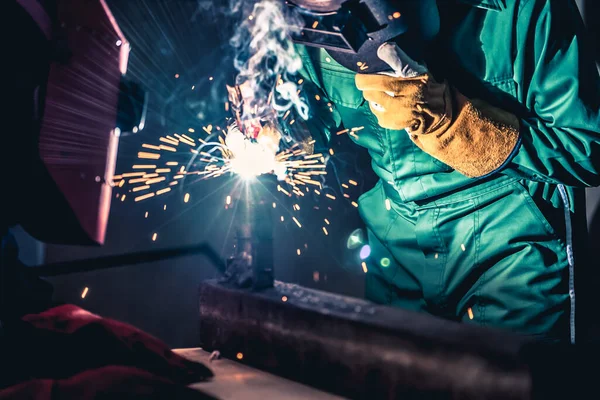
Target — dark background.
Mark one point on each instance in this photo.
(190, 38)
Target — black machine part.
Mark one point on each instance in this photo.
(358, 349)
(352, 31)
(252, 263)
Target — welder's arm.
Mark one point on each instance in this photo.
(555, 138)
(323, 119)
(559, 84)
(471, 136)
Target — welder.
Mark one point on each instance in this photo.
(482, 120)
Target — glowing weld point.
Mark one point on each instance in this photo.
(326, 221)
(470, 312)
(176, 76)
(146, 215)
(228, 200)
(331, 151)
(186, 198)
(119, 43)
(355, 204)
(296, 221)
(364, 267)
(123, 198)
(388, 204)
(298, 252)
(85, 292)
(239, 356)
(282, 219)
(284, 298)
(325, 231)
(462, 246)
(154, 236)
(274, 205)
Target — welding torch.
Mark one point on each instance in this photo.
(247, 116)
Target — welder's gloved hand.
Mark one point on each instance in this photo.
(113, 382)
(66, 340)
(469, 135)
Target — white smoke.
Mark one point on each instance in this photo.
(266, 55)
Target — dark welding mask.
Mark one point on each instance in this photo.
(352, 30)
(82, 109)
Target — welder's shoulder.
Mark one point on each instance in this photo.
(523, 6)
(558, 8)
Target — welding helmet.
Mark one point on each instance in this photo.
(352, 30)
(72, 109)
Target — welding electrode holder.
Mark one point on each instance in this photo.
(351, 31)
(251, 266)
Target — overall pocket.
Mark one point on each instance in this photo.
(535, 210)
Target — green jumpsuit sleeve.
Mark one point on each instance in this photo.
(559, 85)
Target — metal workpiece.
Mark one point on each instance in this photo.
(251, 266)
(357, 349)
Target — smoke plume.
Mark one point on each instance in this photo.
(266, 59)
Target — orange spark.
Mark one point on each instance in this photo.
(144, 197)
(151, 156)
(139, 188)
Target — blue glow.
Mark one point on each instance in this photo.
(365, 251)
(355, 239)
(385, 262)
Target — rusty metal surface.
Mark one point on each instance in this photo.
(356, 349)
(234, 380)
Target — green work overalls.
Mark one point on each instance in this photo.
(496, 250)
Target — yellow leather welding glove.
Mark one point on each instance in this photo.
(469, 135)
